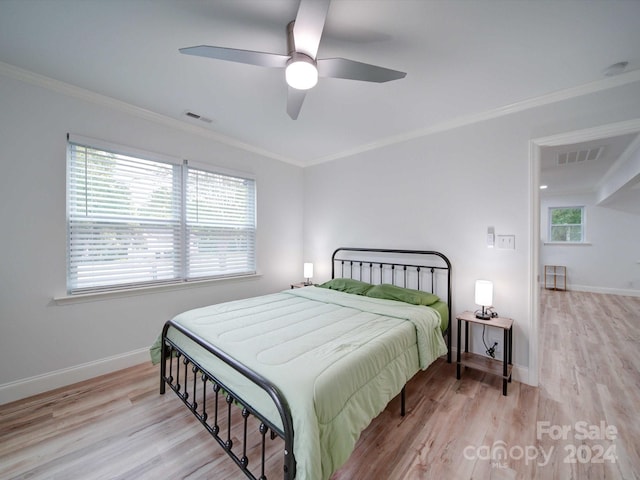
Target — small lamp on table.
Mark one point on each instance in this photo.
(308, 273)
(484, 298)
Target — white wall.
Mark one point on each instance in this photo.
(441, 191)
(44, 344)
(610, 260)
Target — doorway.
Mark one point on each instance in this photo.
(536, 149)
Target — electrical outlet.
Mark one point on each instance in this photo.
(495, 338)
(506, 242)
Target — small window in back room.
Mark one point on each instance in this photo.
(566, 224)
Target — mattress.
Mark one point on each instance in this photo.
(337, 358)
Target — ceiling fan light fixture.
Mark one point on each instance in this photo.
(301, 72)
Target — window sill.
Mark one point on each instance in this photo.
(131, 292)
(572, 244)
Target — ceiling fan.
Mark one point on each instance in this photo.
(302, 68)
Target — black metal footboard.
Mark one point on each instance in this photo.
(216, 405)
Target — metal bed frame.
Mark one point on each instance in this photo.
(189, 380)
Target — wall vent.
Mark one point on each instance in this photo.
(196, 116)
(579, 156)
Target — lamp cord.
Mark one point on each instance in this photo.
(491, 351)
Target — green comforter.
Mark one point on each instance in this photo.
(337, 358)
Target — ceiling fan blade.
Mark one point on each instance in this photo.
(295, 98)
(308, 26)
(250, 57)
(352, 70)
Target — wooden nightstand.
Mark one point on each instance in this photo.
(480, 362)
(300, 285)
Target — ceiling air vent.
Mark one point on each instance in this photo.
(195, 116)
(579, 156)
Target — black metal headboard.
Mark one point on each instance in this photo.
(425, 270)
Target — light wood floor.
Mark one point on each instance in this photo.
(119, 427)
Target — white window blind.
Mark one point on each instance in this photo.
(134, 221)
(220, 223)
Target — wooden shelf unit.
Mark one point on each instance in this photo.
(555, 277)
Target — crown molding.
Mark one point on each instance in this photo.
(465, 120)
(588, 134)
(74, 91)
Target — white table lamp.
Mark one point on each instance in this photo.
(308, 273)
(484, 298)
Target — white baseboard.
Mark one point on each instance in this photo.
(609, 291)
(24, 388)
(605, 290)
(521, 374)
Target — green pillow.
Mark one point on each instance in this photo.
(407, 295)
(347, 285)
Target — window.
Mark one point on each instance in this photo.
(566, 224)
(136, 221)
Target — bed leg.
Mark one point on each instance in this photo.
(163, 368)
(162, 382)
(402, 401)
(165, 351)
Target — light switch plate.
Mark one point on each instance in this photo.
(506, 242)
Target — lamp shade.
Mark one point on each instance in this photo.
(301, 72)
(484, 293)
(308, 270)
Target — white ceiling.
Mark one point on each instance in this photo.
(462, 58)
(577, 173)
